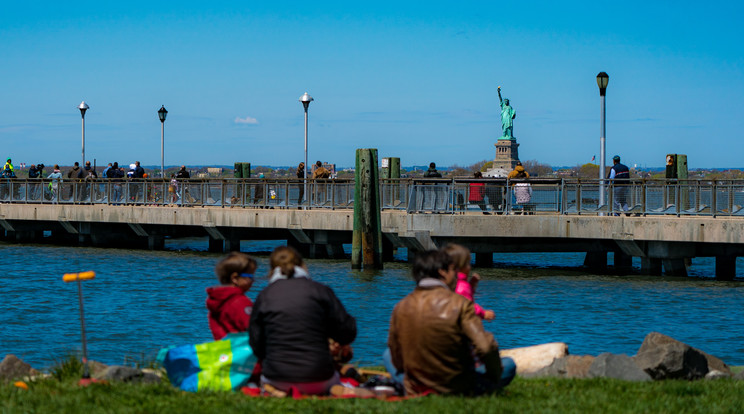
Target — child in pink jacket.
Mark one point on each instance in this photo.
(461, 258)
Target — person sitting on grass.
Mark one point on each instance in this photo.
(292, 321)
(229, 308)
(434, 333)
(460, 256)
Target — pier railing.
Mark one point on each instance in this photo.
(447, 196)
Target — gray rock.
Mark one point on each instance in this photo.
(617, 366)
(664, 357)
(715, 374)
(12, 367)
(571, 366)
(126, 374)
(95, 367)
(715, 363)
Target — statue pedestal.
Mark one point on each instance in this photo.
(507, 156)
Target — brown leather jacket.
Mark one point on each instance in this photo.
(433, 335)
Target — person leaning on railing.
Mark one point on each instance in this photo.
(477, 192)
(320, 174)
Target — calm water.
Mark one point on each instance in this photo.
(141, 301)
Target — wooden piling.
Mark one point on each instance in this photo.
(366, 247)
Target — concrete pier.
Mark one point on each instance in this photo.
(661, 242)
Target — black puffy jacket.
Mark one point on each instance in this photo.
(291, 322)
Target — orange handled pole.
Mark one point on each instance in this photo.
(72, 277)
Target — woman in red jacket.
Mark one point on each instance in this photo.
(477, 191)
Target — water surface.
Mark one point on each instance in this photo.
(141, 301)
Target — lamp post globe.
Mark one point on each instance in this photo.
(602, 80)
(83, 107)
(162, 113)
(305, 99)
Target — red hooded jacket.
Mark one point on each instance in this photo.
(229, 310)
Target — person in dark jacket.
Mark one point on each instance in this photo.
(75, 171)
(433, 197)
(432, 171)
(291, 323)
(73, 174)
(183, 173)
(301, 176)
(621, 175)
(137, 188)
(116, 175)
(229, 308)
(35, 171)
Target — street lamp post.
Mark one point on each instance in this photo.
(602, 80)
(162, 112)
(83, 107)
(306, 99)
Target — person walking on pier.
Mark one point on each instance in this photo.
(301, 176)
(74, 174)
(8, 171)
(431, 196)
(183, 174)
(36, 171)
(620, 174)
(117, 176)
(56, 177)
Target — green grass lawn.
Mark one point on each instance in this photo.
(523, 395)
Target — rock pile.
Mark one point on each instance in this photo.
(13, 368)
(659, 357)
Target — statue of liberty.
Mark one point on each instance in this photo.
(507, 118)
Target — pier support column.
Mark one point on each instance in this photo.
(484, 259)
(674, 267)
(155, 242)
(216, 245)
(622, 261)
(410, 255)
(335, 251)
(232, 244)
(650, 266)
(596, 260)
(388, 250)
(25, 236)
(725, 267)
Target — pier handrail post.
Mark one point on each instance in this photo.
(562, 197)
(730, 198)
(713, 199)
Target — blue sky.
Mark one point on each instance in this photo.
(415, 80)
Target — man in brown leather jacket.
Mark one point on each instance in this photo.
(434, 333)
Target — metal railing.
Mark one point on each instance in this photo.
(447, 196)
